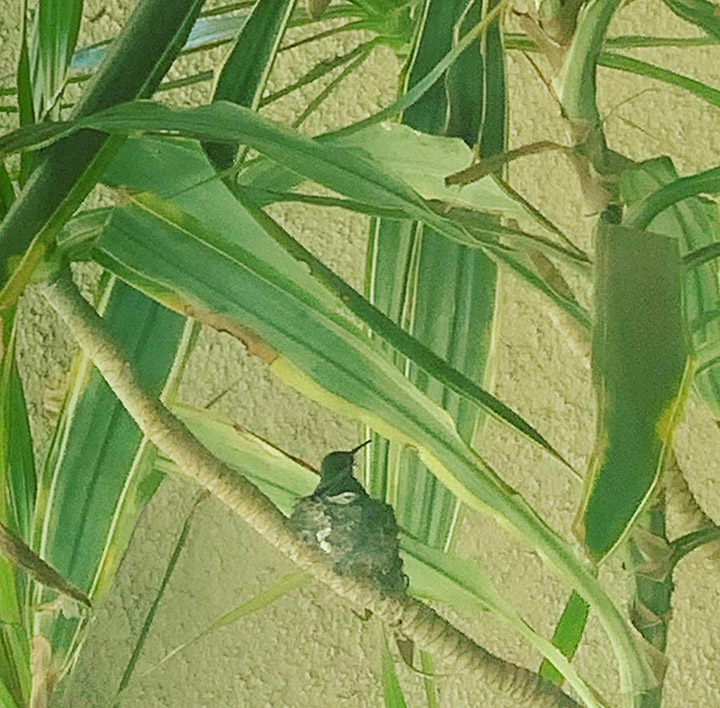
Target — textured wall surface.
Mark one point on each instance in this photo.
(309, 649)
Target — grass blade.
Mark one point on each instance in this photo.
(263, 599)
(567, 636)
(52, 43)
(643, 68)
(150, 616)
(244, 74)
(392, 691)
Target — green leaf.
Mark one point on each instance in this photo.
(642, 68)
(422, 162)
(392, 691)
(150, 616)
(52, 43)
(17, 463)
(576, 83)
(427, 664)
(95, 480)
(695, 222)
(17, 480)
(434, 40)
(248, 286)
(7, 191)
(279, 476)
(273, 592)
(642, 213)
(435, 370)
(698, 12)
(442, 293)
(207, 32)
(476, 85)
(244, 74)
(639, 362)
(141, 55)
(25, 104)
(567, 636)
(428, 80)
(136, 171)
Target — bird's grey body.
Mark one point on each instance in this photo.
(359, 534)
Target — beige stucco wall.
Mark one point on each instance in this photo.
(309, 649)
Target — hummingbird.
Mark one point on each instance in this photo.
(358, 533)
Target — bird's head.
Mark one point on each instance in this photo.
(337, 467)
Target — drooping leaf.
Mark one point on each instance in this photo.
(639, 362)
(642, 68)
(135, 172)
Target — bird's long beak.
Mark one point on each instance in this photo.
(360, 446)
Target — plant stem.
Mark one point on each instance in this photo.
(414, 619)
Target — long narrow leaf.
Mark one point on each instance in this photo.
(207, 32)
(422, 356)
(698, 12)
(133, 171)
(446, 291)
(96, 478)
(243, 77)
(159, 594)
(643, 68)
(639, 362)
(392, 690)
(17, 481)
(52, 44)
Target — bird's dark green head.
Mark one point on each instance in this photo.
(336, 470)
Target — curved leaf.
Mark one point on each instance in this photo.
(639, 361)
